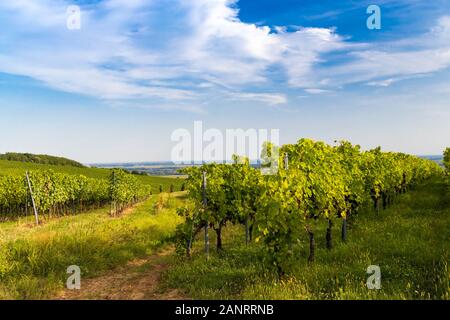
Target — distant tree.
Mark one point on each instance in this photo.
(39, 158)
(447, 159)
(138, 173)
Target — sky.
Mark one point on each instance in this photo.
(115, 89)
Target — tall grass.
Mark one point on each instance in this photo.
(34, 260)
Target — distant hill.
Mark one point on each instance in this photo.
(436, 158)
(40, 158)
(15, 168)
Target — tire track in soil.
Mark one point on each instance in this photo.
(138, 280)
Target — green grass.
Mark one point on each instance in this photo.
(410, 241)
(19, 168)
(34, 260)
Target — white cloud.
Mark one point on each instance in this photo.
(303, 50)
(190, 50)
(381, 83)
(268, 98)
(104, 59)
(316, 91)
(34, 14)
(382, 64)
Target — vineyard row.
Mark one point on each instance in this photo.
(58, 194)
(316, 184)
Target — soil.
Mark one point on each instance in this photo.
(138, 280)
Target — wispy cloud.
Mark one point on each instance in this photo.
(267, 98)
(187, 51)
(316, 91)
(383, 63)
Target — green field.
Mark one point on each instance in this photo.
(409, 241)
(19, 168)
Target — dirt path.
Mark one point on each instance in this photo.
(137, 280)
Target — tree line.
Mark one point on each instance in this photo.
(40, 159)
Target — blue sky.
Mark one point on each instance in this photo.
(137, 70)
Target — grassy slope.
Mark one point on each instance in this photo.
(19, 168)
(33, 260)
(410, 241)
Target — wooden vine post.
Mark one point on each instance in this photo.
(32, 199)
(344, 229)
(205, 202)
(247, 231)
(189, 246)
(286, 161)
(286, 167)
(113, 200)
